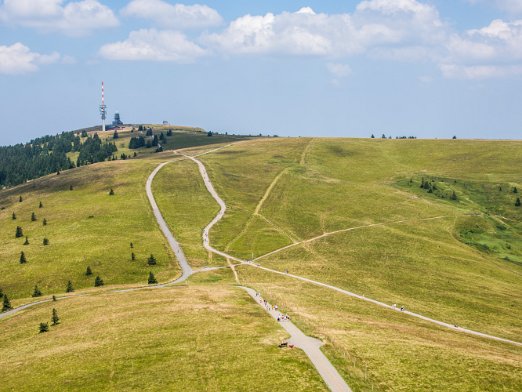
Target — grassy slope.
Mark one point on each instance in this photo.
(85, 227)
(107, 342)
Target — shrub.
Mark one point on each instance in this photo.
(54, 318)
(152, 278)
(6, 304)
(36, 292)
(44, 327)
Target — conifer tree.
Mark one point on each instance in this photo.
(151, 260)
(33, 217)
(45, 241)
(26, 240)
(44, 327)
(71, 187)
(515, 190)
(69, 288)
(13, 216)
(88, 271)
(19, 232)
(152, 278)
(131, 245)
(111, 192)
(6, 304)
(54, 318)
(98, 282)
(453, 196)
(54, 298)
(20, 199)
(23, 260)
(37, 292)
(44, 222)
(41, 205)
(517, 203)
(133, 256)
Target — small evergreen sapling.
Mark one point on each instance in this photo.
(23, 259)
(133, 256)
(151, 260)
(45, 241)
(88, 271)
(33, 217)
(152, 278)
(37, 292)
(515, 190)
(69, 288)
(453, 196)
(54, 298)
(26, 240)
(44, 327)
(54, 318)
(13, 216)
(44, 222)
(40, 205)
(111, 192)
(98, 282)
(6, 304)
(19, 232)
(20, 199)
(517, 202)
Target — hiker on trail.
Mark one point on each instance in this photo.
(402, 308)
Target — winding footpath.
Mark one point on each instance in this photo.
(206, 244)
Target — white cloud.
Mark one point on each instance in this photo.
(176, 16)
(18, 59)
(339, 70)
(457, 71)
(513, 7)
(73, 18)
(153, 45)
(374, 24)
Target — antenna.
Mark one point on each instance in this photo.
(103, 108)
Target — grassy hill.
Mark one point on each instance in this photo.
(381, 235)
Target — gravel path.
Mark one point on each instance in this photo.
(206, 244)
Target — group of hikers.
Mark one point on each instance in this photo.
(280, 316)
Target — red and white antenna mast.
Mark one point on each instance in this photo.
(103, 108)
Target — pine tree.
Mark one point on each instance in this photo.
(26, 240)
(517, 203)
(373, 136)
(69, 288)
(44, 222)
(23, 260)
(152, 278)
(19, 232)
(41, 205)
(54, 298)
(98, 282)
(500, 189)
(133, 256)
(111, 192)
(515, 190)
(88, 271)
(36, 292)
(54, 318)
(151, 260)
(131, 245)
(13, 216)
(45, 241)
(20, 199)
(6, 304)
(71, 187)
(44, 327)
(453, 196)
(33, 217)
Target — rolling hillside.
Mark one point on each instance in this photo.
(352, 213)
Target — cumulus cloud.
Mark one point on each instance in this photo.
(19, 59)
(73, 18)
(306, 32)
(153, 45)
(176, 16)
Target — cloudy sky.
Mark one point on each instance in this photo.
(430, 68)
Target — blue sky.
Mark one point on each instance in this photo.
(325, 68)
